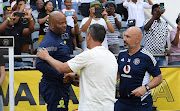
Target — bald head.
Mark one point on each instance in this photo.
(132, 38)
(135, 31)
(56, 15)
(57, 22)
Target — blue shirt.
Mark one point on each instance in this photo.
(132, 69)
(59, 51)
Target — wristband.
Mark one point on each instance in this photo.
(166, 49)
(80, 34)
(76, 76)
(47, 15)
(9, 19)
(106, 20)
(31, 18)
(115, 17)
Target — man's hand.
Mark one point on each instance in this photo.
(139, 91)
(76, 83)
(68, 77)
(43, 54)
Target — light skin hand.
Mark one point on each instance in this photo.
(139, 91)
(28, 14)
(43, 54)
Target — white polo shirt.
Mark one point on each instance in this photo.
(98, 73)
(136, 11)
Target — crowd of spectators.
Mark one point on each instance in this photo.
(30, 29)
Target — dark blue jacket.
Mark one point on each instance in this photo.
(59, 51)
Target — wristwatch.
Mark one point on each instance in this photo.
(147, 87)
(76, 76)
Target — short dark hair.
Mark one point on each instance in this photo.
(97, 32)
(155, 6)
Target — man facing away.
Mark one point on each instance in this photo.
(98, 72)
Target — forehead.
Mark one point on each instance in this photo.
(21, 2)
(67, 1)
(110, 4)
(155, 9)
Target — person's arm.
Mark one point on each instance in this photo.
(109, 25)
(5, 22)
(176, 39)
(75, 30)
(2, 74)
(31, 23)
(125, 4)
(58, 65)
(149, 23)
(150, 2)
(42, 20)
(88, 22)
(153, 83)
(117, 22)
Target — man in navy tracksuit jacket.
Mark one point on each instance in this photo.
(51, 87)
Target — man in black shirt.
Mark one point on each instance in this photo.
(7, 28)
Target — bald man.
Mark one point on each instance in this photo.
(135, 67)
(51, 87)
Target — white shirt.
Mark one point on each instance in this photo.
(102, 22)
(136, 11)
(112, 38)
(98, 73)
(119, 1)
(155, 37)
(1, 7)
(69, 19)
(71, 1)
(86, 1)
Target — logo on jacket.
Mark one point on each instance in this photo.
(136, 61)
(127, 69)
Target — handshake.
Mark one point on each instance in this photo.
(71, 77)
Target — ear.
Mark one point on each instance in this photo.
(138, 40)
(89, 37)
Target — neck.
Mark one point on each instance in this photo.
(94, 45)
(134, 50)
(48, 12)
